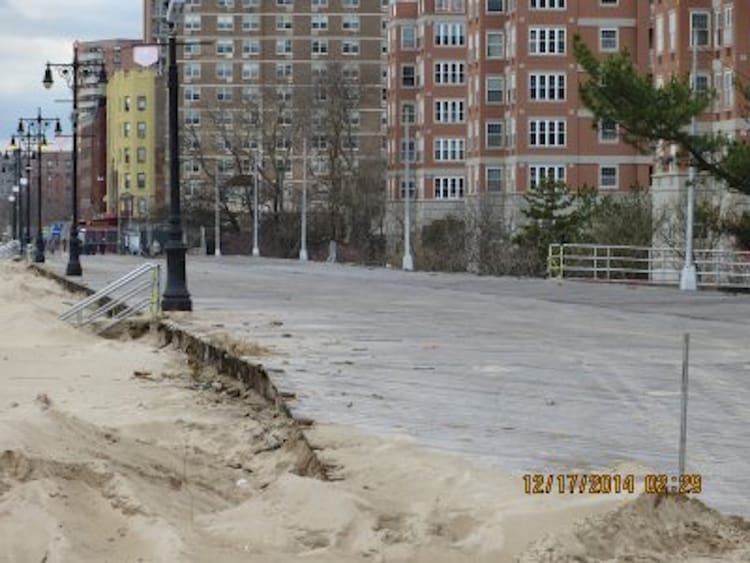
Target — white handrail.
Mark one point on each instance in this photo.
(115, 298)
(651, 265)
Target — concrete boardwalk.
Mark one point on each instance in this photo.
(532, 375)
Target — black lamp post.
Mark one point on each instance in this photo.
(35, 128)
(176, 296)
(72, 73)
(17, 192)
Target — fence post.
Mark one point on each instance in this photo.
(596, 262)
(609, 256)
(683, 406)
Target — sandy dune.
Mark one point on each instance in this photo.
(118, 450)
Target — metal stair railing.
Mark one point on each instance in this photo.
(117, 298)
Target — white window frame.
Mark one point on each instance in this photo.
(538, 172)
(449, 72)
(606, 135)
(449, 187)
(501, 83)
(449, 110)
(487, 125)
(500, 45)
(610, 185)
(500, 178)
(547, 5)
(546, 133)
(609, 49)
(449, 149)
(546, 86)
(707, 43)
(547, 41)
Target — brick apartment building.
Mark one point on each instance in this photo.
(248, 66)
(492, 88)
(115, 54)
(719, 29)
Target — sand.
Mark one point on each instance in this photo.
(120, 450)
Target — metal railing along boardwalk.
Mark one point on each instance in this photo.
(122, 298)
(642, 264)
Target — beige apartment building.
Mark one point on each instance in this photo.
(491, 90)
(256, 77)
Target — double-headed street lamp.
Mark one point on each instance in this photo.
(72, 73)
(35, 129)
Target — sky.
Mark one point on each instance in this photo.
(33, 32)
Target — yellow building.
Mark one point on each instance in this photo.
(135, 182)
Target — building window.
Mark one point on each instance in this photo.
(223, 94)
(319, 22)
(608, 177)
(408, 37)
(408, 150)
(141, 155)
(284, 71)
(449, 73)
(701, 83)
(250, 47)
(608, 39)
(538, 174)
(141, 179)
(449, 111)
(192, 118)
(192, 22)
(126, 128)
(319, 46)
(191, 47)
(547, 40)
(408, 113)
(141, 103)
(225, 3)
(141, 129)
(224, 47)
(224, 71)
(728, 89)
(192, 93)
(547, 87)
(127, 180)
(659, 32)
(192, 70)
(283, 46)
(494, 134)
(547, 4)
(495, 89)
(126, 155)
(672, 29)
(284, 22)
(450, 34)
(547, 133)
(495, 6)
(450, 149)
(250, 22)
(449, 187)
(350, 23)
(250, 71)
(319, 3)
(700, 29)
(607, 131)
(350, 4)
(494, 179)
(728, 25)
(126, 103)
(350, 47)
(495, 44)
(225, 23)
(408, 76)
(450, 6)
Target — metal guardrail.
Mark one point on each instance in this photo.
(9, 249)
(121, 299)
(649, 265)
